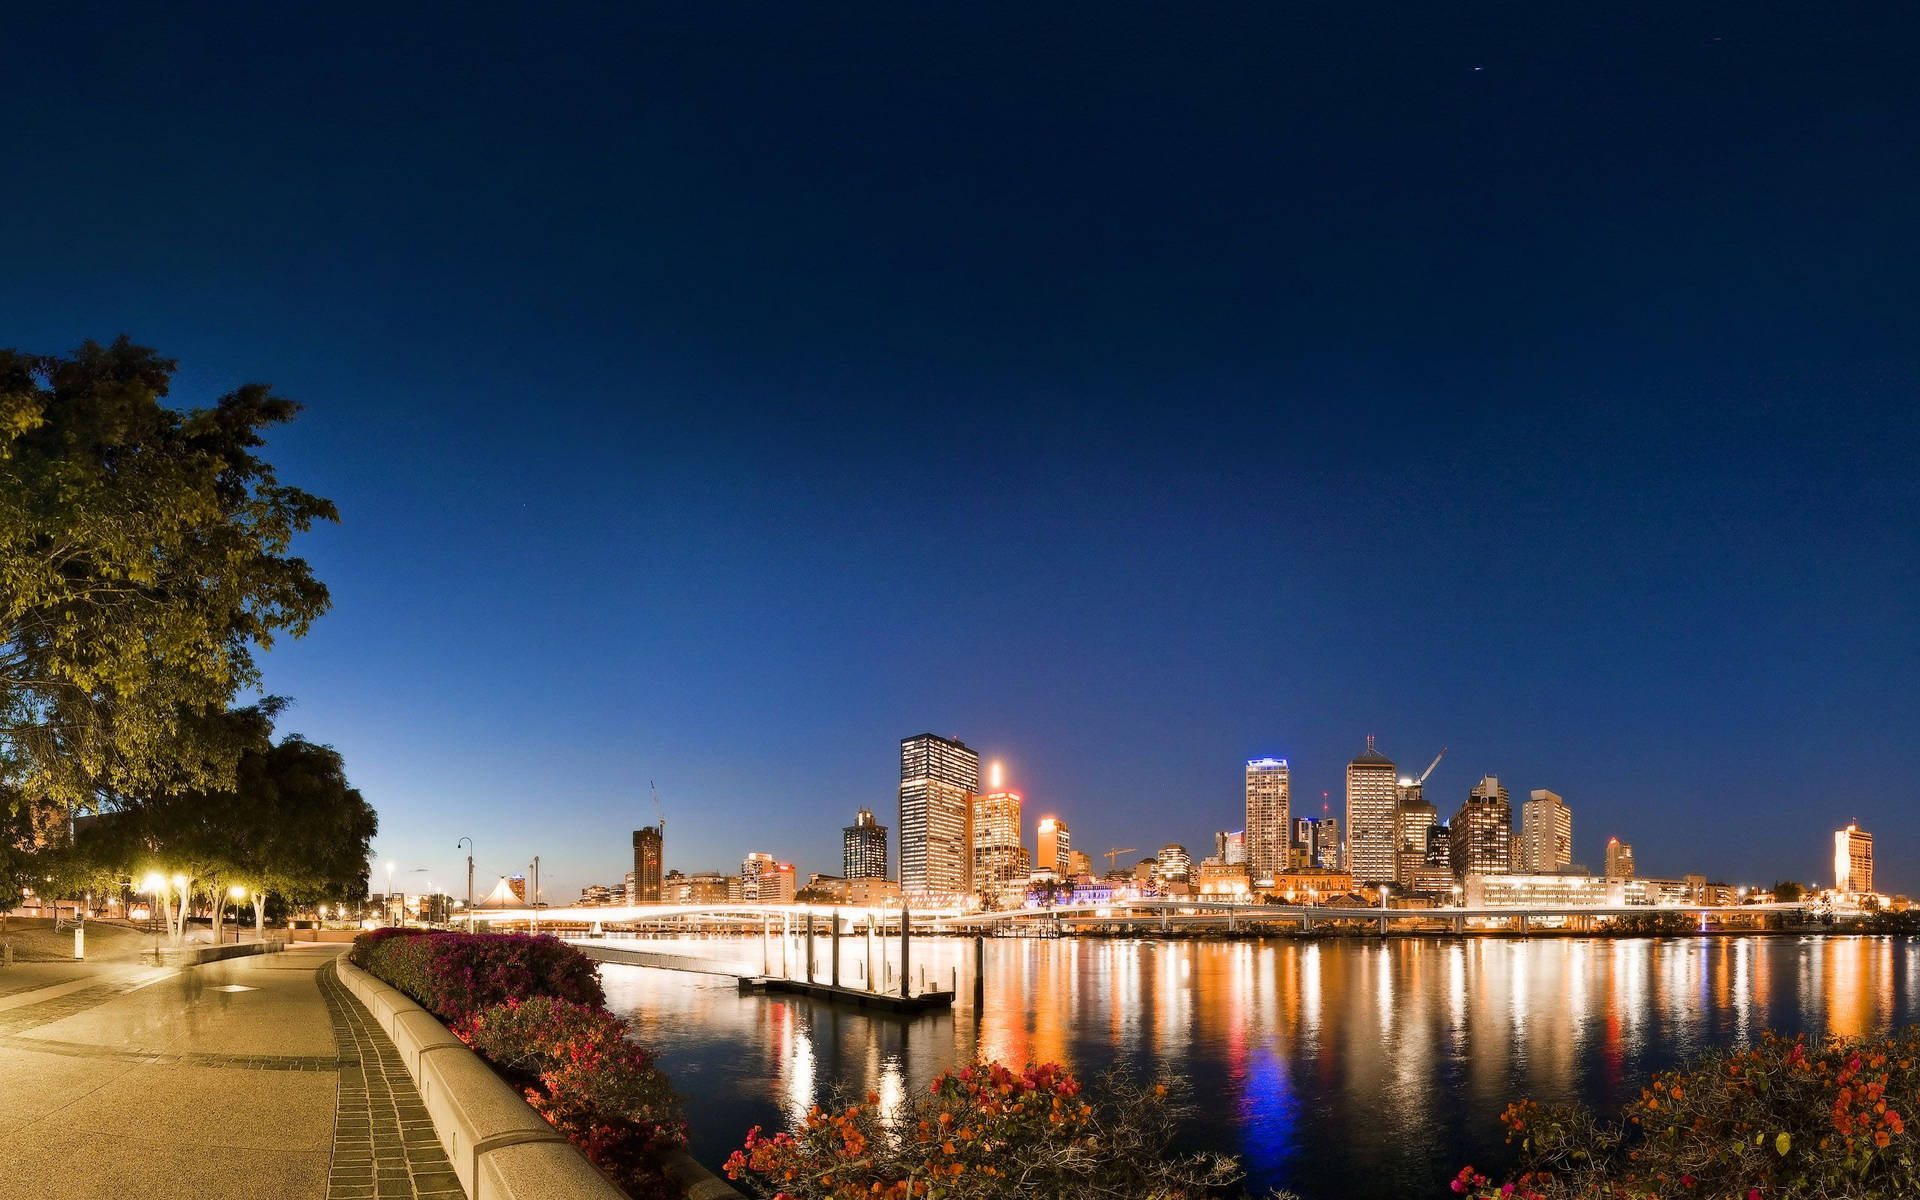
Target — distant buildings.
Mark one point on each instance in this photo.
(1372, 825)
(864, 848)
(596, 894)
(1175, 864)
(1546, 834)
(517, 884)
(752, 867)
(1481, 833)
(1054, 848)
(646, 864)
(1268, 786)
(1079, 865)
(1230, 847)
(998, 856)
(1852, 860)
(1414, 821)
(937, 777)
(775, 884)
(1619, 859)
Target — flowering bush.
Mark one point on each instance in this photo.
(989, 1132)
(1774, 1121)
(580, 1071)
(454, 975)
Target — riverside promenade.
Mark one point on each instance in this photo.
(251, 1077)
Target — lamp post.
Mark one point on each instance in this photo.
(236, 892)
(469, 844)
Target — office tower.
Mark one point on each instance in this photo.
(1852, 860)
(647, 849)
(1175, 864)
(1546, 834)
(1079, 865)
(776, 884)
(938, 777)
(1266, 831)
(1619, 859)
(1371, 826)
(752, 867)
(864, 848)
(1333, 847)
(1230, 847)
(1481, 833)
(1304, 839)
(998, 856)
(1413, 817)
(517, 884)
(1055, 850)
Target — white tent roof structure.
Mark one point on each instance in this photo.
(501, 897)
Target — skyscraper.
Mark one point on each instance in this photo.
(1413, 818)
(1372, 824)
(1546, 834)
(1055, 850)
(1619, 859)
(1481, 833)
(937, 779)
(864, 848)
(752, 867)
(1852, 860)
(646, 864)
(1175, 864)
(998, 856)
(1230, 847)
(1266, 832)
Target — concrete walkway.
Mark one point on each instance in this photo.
(252, 1077)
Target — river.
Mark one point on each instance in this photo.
(1358, 1069)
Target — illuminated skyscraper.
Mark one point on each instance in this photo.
(1414, 818)
(752, 868)
(998, 856)
(647, 851)
(1546, 834)
(1175, 864)
(1230, 847)
(937, 779)
(1266, 832)
(1055, 850)
(1619, 859)
(864, 848)
(1481, 833)
(1852, 860)
(1372, 823)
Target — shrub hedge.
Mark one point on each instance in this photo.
(454, 975)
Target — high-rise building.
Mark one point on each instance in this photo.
(1055, 850)
(647, 848)
(938, 777)
(776, 884)
(1372, 827)
(1619, 859)
(1413, 817)
(998, 856)
(1333, 847)
(1481, 833)
(1546, 834)
(752, 867)
(864, 848)
(1852, 860)
(517, 884)
(1079, 864)
(1176, 865)
(1230, 847)
(1266, 832)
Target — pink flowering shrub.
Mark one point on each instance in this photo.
(579, 1069)
(453, 975)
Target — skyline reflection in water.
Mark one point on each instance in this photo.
(1351, 1068)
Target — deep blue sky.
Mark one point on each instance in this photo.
(716, 394)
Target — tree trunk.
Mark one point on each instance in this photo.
(259, 916)
(219, 910)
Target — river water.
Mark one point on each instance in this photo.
(1358, 1069)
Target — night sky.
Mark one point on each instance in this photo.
(716, 394)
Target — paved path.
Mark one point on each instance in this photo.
(253, 1077)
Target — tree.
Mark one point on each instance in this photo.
(143, 560)
(1786, 892)
(16, 856)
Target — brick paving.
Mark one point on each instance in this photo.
(384, 1147)
(45, 1012)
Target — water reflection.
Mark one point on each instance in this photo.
(1335, 1068)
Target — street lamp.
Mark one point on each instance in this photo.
(237, 893)
(469, 844)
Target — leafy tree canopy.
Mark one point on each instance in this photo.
(143, 559)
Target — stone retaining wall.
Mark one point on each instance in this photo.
(500, 1148)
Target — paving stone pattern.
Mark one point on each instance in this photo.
(45, 1012)
(384, 1147)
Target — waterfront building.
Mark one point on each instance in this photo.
(1619, 859)
(1546, 834)
(1054, 847)
(1546, 890)
(1268, 785)
(1309, 887)
(752, 867)
(1372, 797)
(709, 887)
(1224, 881)
(872, 893)
(776, 884)
(1852, 860)
(1079, 865)
(863, 852)
(1481, 833)
(998, 856)
(596, 893)
(938, 777)
(1175, 864)
(647, 851)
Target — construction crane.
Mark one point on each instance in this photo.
(1113, 854)
(1421, 782)
(660, 815)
